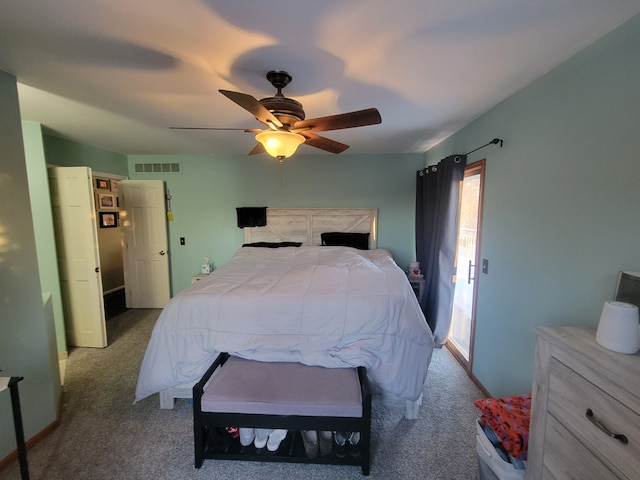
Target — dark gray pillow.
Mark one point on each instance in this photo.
(346, 239)
(273, 244)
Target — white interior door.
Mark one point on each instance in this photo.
(74, 218)
(143, 220)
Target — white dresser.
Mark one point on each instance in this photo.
(575, 378)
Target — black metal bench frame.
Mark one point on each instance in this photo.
(211, 443)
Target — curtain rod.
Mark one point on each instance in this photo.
(492, 142)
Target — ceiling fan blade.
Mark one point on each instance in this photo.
(324, 143)
(259, 148)
(248, 130)
(359, 118)
(253, 106)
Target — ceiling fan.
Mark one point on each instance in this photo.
(285, 120)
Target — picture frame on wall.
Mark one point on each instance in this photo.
(103, 184)
(108, 219)
(113, 185)
(107, 200)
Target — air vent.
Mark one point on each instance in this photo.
(157, 168)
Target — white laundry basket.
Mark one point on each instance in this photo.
(491, 465)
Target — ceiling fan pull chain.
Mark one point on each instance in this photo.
(281, 173)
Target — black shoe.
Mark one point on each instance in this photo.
(354, 444)
(340, 443)
(325, 439)
(310, 441)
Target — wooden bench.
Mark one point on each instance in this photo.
(236, 392)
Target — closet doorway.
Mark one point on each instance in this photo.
(461, 334)
(105, 188)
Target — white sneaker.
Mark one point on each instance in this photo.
(246, 436)
(273, 443)
(262, 435)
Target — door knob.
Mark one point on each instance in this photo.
(161, 252)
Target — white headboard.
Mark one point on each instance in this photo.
(306, 224)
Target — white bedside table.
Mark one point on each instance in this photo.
(198, 276)
(418, 286)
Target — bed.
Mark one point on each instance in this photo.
(286, 298)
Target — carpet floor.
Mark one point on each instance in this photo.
(103, 435)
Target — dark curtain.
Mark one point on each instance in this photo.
(437, 201)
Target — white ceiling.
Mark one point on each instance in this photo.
(116, 74)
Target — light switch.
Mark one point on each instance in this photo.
(485, 265)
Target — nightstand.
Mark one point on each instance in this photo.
(198, 276)
(418, 287)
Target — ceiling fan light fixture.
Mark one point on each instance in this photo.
(280, 143)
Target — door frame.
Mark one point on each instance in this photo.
(475, 168)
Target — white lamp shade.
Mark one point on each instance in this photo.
(280, 143)
(619, 329)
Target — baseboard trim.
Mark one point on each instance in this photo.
(484, 391)
(33, 441)
(465, 365)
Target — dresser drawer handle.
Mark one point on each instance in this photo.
(617, 436)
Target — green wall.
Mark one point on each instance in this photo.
(209, 188)
(66, 153)
(43, 225)
(27, 337)
(562, 203)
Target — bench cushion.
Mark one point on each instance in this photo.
(277, 388)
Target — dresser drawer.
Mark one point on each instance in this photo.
(571, 395)
(561, 445)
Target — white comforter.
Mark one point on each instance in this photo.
(328, 306)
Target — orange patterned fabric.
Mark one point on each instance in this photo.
(508, 418)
